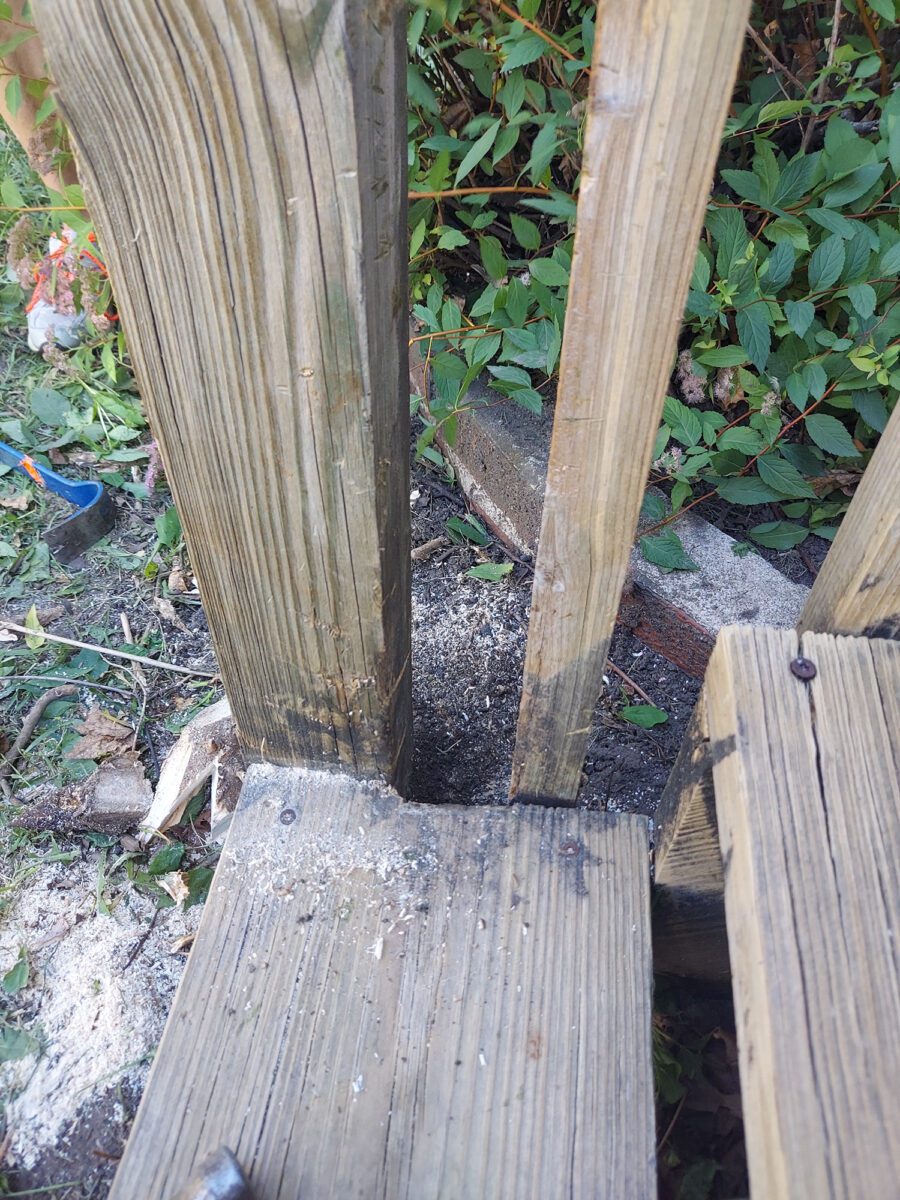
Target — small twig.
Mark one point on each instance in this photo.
(776, 63)
(30, 724)
(139, 944)
(866, 18)
(99, 687)
(478, 191)
(820, 90)
(104, 650)
(627, 679)
(672, 1123)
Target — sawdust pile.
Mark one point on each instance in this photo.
(97, 1020)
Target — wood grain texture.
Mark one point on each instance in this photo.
(244, 164)
(689, 935)
(808, 807)
(662, 76)
(858, 587)
(410, 1002)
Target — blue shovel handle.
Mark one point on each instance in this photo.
(81, 494)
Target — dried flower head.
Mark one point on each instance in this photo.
(689, 383)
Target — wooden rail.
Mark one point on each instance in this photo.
(858, 587)
(662, 76)
(244, 168)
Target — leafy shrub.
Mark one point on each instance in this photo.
(788, 365)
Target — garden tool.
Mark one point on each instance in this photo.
(96, 513)
(219, 1178)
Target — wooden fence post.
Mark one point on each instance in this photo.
(662, 77)
(244, 165)
(858, 587)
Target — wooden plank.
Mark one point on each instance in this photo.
(662, 76)
(858, 587)
(689, 935)
(410, 1002)
(244, 167)
(809, 815)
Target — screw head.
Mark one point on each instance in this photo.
(287, 816)
(803, 668)
(570, 848)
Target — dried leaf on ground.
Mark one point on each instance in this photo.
(166, 610)
(175, 885)
(102, 736)
(18, 503)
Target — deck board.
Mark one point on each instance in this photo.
(402, 1001)
(808, 807)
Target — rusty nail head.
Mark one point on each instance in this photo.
(287, 816)
(570, 848)
(803, 668)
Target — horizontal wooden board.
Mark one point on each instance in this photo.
(401, 1001)
(808, 802)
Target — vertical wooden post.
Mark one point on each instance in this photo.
(662, 76)
(244, 164)
(858, 588)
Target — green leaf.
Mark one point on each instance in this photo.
(514, 376)
(832, 221)
(198, 880)
(783, 478)
(16, 1044)
(643, 715)
(493, 258)
(10, 193)
(831, 435)
(745, 440)
(745, 183)
(526, 232)
(779, 266)
(890, 260)
(168, 527)
(477, 151)
(492, 572)
(450, 239)
(468, 528)
(796, 179)
(872, 408)
(13, 94)
(16, 977)
(815, 378)
(666, 551)
(653, 508)
(683, 421)
(779, 109)
(753, 330)
(723, 356)
(702, 272)
(854, 186)
(884, 8)
(800, 314)
(521, 51)
(50, 407)
(167, 859)
(35, 639)
(543, 149)
(778, 535)
(863, 298)
(746, 489)
(549, 272)
(512, 94)
(826, 263)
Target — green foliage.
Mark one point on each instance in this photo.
(792, 324)
(643, 715)
(791, 340)
(492, 105)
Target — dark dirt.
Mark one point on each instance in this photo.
(468, 651)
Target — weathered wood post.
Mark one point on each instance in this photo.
(662, 76)
(244, 165)
(858, 587)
